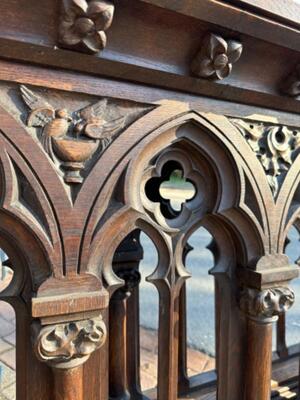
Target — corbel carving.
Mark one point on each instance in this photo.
(291, 85)
(70, 344)
(83, 24)
(216, 56)
(266, 303)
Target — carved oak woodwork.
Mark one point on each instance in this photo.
(86, 146)
(216, 57)
(83, 24)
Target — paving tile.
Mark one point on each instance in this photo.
(9, 358)
(9, 393)
(10, 339)
(6, 327)
(7, 376)
(4, 346)
(6, 312)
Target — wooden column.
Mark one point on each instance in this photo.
(262, 309)
(68, 383)
(124, 348)
(65, 347)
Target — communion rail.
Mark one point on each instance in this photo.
(104, 106)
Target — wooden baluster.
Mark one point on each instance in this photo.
(262, 308)
(124, 373)
(183, 379)
(168, 344)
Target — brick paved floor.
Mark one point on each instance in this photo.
(7, 352)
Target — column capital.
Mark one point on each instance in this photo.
(265, 305)
(70, 344)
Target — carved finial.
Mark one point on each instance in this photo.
(291, 85)
(216, 57)
(83, 24)
(70, 344)
(267, 303)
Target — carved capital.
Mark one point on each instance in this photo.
(216, 57)
(70, 344)
(266, 304)
(83, 24)
(291, 84)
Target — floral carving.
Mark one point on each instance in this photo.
(71, 139)
(291, 85)
(216, 57)
(83, 24)
(267, 303)
(72, 342)
(276, 147)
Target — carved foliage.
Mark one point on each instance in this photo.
(216, 57)
(266, 303)
(291, 85)
(276, 147)
(83, 24)
(72, 342)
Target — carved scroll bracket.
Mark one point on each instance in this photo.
(265, 305)
(68, 345)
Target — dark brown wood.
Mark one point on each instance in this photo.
(85, 145)
(68, 384)
(259, 355)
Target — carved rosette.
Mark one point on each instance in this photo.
(276, 147)
(291, 84)
(216, 57)
(266, 304)
(70, 344)
(83, 24)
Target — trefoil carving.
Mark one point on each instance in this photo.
(216, 57)
(83, 24)
(276, 147)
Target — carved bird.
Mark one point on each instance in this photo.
(55, 122)
(92, 124)
(88, 121)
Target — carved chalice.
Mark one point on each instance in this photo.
(73, 153)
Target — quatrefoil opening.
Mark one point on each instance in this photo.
(173, 189)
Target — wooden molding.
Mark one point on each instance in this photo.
(83, 24)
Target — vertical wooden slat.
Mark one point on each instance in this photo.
(168, 344)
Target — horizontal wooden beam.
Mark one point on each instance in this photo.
(236, 19)
(68, 60)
